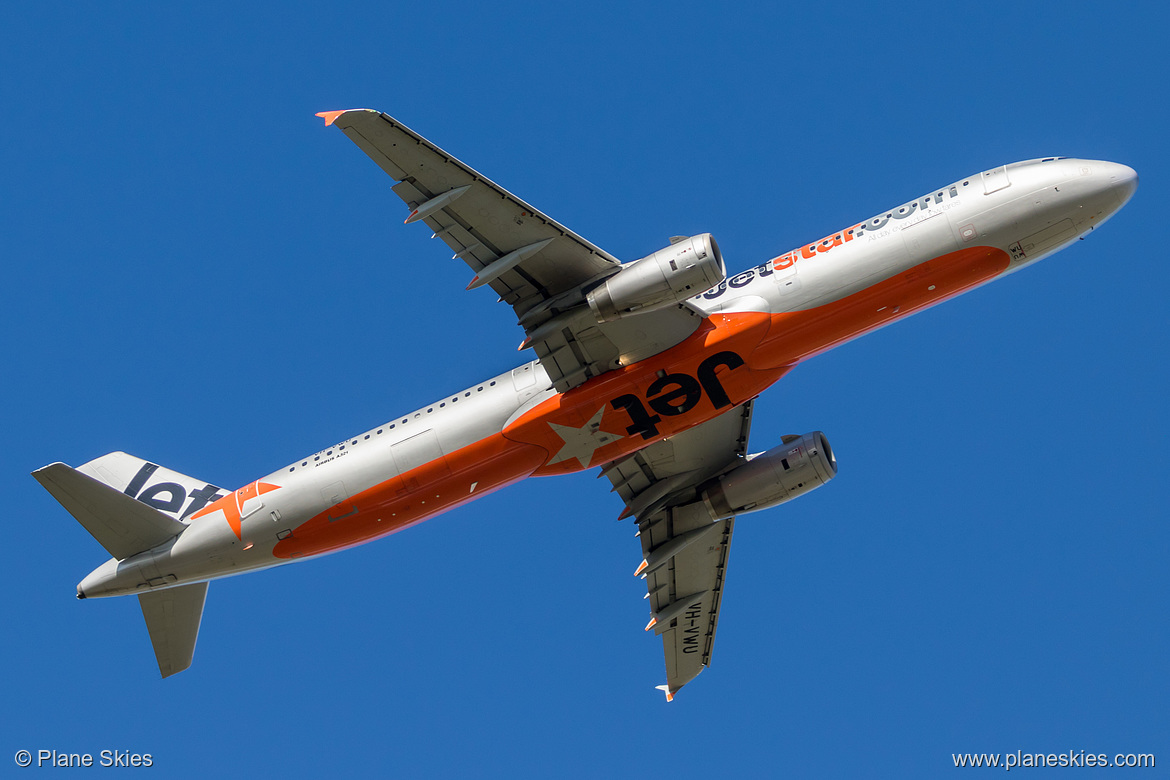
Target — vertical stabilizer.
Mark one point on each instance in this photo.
(170, 492)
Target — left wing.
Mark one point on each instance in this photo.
(684, 553)
(535, 264)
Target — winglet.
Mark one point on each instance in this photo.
(653, 620)
(642, 568)
(665, 689)
(330, 116)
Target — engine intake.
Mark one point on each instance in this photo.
(669, 276)
(796, 467)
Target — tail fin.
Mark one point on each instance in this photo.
(172, 618)
(121, 524)
(156, 486)
(130, 505)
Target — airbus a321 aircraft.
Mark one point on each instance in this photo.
(647, 370)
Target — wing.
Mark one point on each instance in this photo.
(535, 264)
(685, 554)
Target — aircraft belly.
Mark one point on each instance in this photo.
(797, 336)
(342, 484)
(364, 488)
(629, 408)
(416, 495)
(854, 268)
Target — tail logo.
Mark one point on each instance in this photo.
(169, 496)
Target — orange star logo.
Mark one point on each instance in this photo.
(238, 505)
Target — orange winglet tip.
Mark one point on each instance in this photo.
(330, 116)
(642, 568)
(650, 625)
(666, 689)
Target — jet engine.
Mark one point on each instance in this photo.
(801, 464)
(665, 278)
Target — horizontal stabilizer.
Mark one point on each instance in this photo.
(172, 618)
(122, 525)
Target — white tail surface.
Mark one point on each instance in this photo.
(156, 486)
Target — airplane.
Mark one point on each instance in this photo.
(647, 370)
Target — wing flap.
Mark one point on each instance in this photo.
(698, 571)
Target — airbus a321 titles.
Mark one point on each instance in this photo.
(647, 370)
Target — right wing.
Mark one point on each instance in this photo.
(536, 265)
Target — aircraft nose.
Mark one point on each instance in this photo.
(1124, 180)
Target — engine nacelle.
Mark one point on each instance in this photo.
(782, 473)
(669, 276)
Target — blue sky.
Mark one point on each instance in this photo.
(199, 273)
